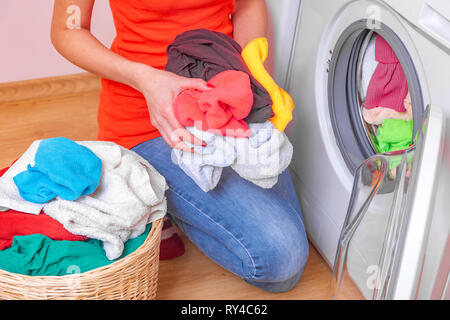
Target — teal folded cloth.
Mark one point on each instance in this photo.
(62, 168)
(38, 255)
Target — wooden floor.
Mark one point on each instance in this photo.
(191, 276)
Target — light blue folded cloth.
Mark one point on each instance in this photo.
(260, 158)
(61, 168)
(205, 164)
(263, 156)
(260, 133)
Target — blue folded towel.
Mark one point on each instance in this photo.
(62, 168)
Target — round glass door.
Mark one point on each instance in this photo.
(374, 94)
(384, 100)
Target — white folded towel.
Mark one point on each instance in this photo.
(9, 193)
(205, 164)
(263, 156)
(130, 195)
(260, 158)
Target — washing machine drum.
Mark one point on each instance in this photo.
(375, 100)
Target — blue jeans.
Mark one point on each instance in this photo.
(257, 234)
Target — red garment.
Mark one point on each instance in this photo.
(2, 171)
(144, 29)
(171, 245)
(15, 223)
(388, 87)
(221, 109)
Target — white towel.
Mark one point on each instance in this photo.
(130, 195)
(9, 193)
(263, 156)
(260, 158)
(205, 164)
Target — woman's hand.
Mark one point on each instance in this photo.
(160, 89)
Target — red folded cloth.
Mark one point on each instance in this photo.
(388, 87)
(2, 171)
(15, 223)
(222, 109)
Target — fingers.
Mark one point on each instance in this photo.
(177, 138)
(183, 146)
(175, 130)
(180, 145)
(163, 117)
(180, 133)
(180, 136)
(198, 84)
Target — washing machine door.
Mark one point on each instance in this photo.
(383, 239)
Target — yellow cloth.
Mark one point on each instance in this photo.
(254, 55)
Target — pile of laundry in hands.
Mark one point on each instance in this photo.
(387, 106)
(82, 205)
(242, 117)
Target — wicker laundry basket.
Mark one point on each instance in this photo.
(134, 277)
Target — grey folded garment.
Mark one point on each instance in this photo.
(260, 158)
(131, 194)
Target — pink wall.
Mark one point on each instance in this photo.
(25, 48)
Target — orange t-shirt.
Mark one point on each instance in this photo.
(144, 29)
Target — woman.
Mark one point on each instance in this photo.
(258, 234)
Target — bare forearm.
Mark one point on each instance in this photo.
(81, 48)
(71, 36)
(249, 20)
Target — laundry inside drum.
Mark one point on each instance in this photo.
(384, 98)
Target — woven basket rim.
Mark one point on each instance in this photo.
(152, 236)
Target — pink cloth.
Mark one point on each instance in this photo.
(222, 109)
(388, 86)
(377, 115)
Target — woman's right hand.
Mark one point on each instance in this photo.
(160, 89)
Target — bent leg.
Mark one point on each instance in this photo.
(258, 234)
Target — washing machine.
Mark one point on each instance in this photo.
(379, 219)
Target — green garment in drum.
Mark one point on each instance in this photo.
(393, 135)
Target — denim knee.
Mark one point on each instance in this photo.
(279, 263)
(278, 286)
